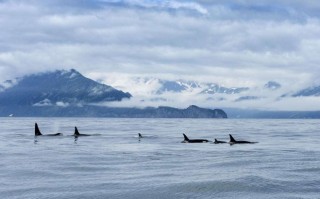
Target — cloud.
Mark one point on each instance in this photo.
(185, 99)
(162, 4)
(235, 43)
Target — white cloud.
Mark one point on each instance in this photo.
(163, 4)
(62, 104)
(241, 43)
(45, 102)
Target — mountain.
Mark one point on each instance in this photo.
(156, 87)
(161, 90)
(190, 112)
(60, 88)
(176, 86)
(272, 85)
(216, 88)
(67, 93)
(100, 111)
(179, 86)
(311, 91)
(245, 98)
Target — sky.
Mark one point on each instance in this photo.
(233, 43)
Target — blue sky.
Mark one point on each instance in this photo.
(235, 43)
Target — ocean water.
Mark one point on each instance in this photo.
(115, 164)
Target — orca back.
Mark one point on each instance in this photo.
(54, 134)
(219, 142)
(185, 137)
(233, 141)
(76, 132)
(231, 138)
(36, 130)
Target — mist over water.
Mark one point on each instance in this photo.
(115, 164)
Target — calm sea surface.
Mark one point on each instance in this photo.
(115, 164)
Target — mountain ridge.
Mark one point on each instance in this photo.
(57, 88)
(111, 112)
(159, 87)
(67, 93)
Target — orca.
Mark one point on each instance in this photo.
(218, 141)
(233, 141)
(38, 133)
(187, 140)
(77, 134)
(140, 136)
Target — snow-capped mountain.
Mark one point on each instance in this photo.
(157, 90)
(162, 86)
(7, 84)
(61, 88)
(246, 98)
(68, 93)
(272, 85)
(176, 86)
(213, 88)
(202, 88)
(311, 91)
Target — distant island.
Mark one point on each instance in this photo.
(65, 93)
(101, 111)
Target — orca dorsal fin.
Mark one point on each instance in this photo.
(76, 132)
(231, 138)
(185, 137)
(140, 136)
(36, 129)
(215, 140)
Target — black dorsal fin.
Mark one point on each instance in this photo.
(185, 137)
(76, 132)
(232, 139)
(140, 136)
(36, 129)
(215, 140)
